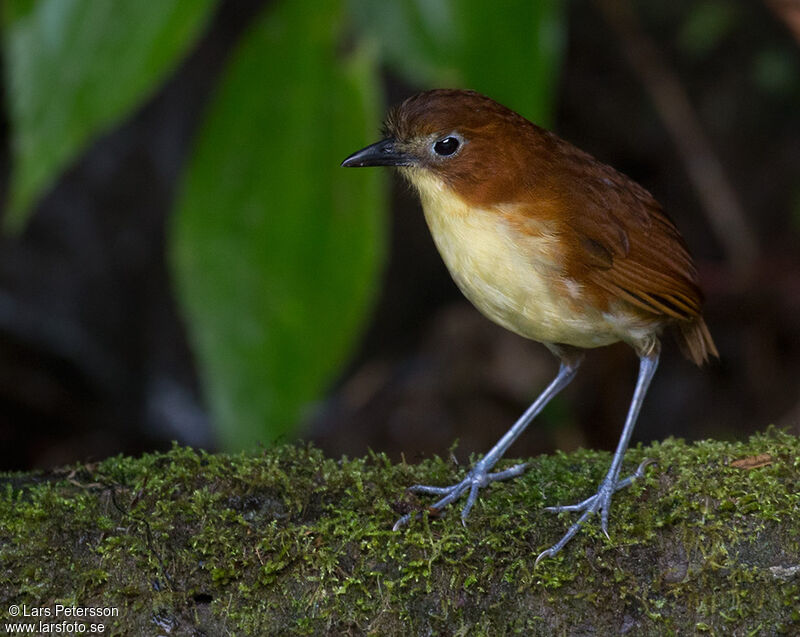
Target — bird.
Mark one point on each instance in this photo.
(553, 245)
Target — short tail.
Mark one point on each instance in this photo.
(695, 340)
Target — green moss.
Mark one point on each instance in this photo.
(292, 542)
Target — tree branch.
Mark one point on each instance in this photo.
(292, 542)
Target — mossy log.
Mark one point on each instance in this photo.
(291, 542)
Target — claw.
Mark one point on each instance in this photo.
(639, 473)
(600, 501)
(542, 555)
(478, 477)
(473, 496)
(401, 521)
(643, 465)
(604, 519)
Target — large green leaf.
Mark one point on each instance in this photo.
(76, 67)
(510, 50)
(276, 248)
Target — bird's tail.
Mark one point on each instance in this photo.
(695, 340)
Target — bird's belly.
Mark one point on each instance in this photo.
(514, 280)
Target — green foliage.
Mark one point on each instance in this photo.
(511, 51)
(707, 25)
(276, 251)
(276, 248)
(775, 71)
(74, 69)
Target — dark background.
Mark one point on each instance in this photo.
(94, 358)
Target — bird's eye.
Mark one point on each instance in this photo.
(446, 146)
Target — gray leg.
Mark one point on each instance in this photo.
(479, 476)
(601, 501)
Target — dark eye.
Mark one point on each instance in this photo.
(446, 146)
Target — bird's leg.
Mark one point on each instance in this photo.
(479, 475)
(601, 501)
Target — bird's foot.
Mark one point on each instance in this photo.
(477, 477)
(600, 501)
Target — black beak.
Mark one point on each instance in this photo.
(382, 153)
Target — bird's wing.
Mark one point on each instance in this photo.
(623, 242)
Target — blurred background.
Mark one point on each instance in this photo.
(183, 259)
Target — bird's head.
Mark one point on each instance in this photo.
(458, 139)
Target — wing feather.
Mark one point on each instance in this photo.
(621, 240)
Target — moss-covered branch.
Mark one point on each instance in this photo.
(290, 541)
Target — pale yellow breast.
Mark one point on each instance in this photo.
(513, 278)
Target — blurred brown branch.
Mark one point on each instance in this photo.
(720, 202)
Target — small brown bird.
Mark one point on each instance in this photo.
(551, 244)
